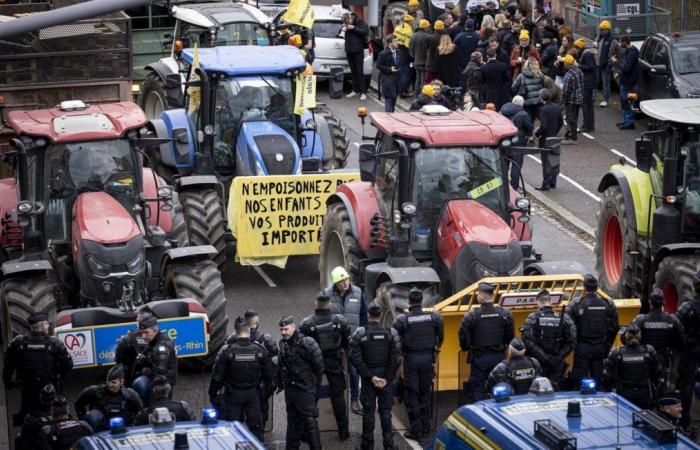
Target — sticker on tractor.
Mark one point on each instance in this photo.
(94, 346)
(281, 215)
(485, 188)
(521, 299)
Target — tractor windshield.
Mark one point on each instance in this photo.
(456, 172)
(691, 180)
(73, 168)
(235, 33)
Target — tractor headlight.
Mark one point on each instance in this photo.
(311, 124)
(136, 265)
(409, 208)
(522, 203)
(97, 267)
(25, 207)
(165, 192)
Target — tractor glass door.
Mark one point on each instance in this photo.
(691, 181)
(388, 178)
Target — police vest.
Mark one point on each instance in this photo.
(421, 333)
(520, 371)
(376, 346)
(348, 305)
(244, 365)
(633, 366)
(693, 327)
(328, 335)
(112, 405)
(295, 361)
(548, 331)
(657, 331)
(38, 362)
(592, 312)
(489, 329)
(65, 432)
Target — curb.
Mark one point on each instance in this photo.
(561, 212)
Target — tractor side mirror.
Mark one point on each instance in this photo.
(643, 150)
(368, 162)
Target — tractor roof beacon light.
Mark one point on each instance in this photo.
(588, 386)
(116, 425)
(72, 105)
(209, 416)
(501, 392)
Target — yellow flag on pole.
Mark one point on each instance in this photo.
(300, 12)
(194, 92)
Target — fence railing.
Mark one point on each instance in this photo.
(685, 14)
(638, 26)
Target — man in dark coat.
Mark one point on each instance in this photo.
(549, 53)
(419, 52)
(629, 75)
(389, 63)
(497, 81)
(589, 68)
(550, 124)
(473, 78)
(466, 43)
(356, 34)
(607, 47)
(521, 119)
(501, 54)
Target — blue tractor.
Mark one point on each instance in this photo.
(241, 123)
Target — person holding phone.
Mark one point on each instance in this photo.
(390, 62)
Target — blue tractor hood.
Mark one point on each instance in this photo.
(247, 60)
(267, 146)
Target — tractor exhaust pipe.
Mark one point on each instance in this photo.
(67, 14)
(203, 158)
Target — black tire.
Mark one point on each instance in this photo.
(178, 231)
(675, 277)
(615, 239)
(386, 297)
(338, 246)
(204, 218)
(339, 134)
(201, 281)
(153, 98)
(22, 297)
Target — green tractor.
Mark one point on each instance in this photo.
(649, 218)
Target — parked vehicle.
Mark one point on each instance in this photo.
(670, 66)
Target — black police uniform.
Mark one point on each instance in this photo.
(689, 316)
(267, 341)
(29, 437)
(662, 331)
(550, 337)
(331, 332)
(128, 348)
(38, 359)
(62, 433)
(125, 403)
(485, 333)
(519, 372)
(157, 358)
(635, 371)
(241, 367)
(421, 334)
(596, 328)
(376, 351)
(301, 372)
(182, 410)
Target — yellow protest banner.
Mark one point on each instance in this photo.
(281, 215)
(305, 97)
(300, 12)
(194, 92)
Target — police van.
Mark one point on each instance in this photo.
(544, 419)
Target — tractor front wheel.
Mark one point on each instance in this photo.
(339, 135)
(201, 281)
(204, 216)
(22, 297)
(154, 97)
(675, 277)
(339, 247)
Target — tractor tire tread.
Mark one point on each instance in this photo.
(24, 297)
(204, 217)
(338, 219)
(339, 134)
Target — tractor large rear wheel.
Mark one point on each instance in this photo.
(204, 217)
(339, 134)
(154, 97)
(201, 281)
(339, 247)
(675, 277)
(615, 238)
(22, 297)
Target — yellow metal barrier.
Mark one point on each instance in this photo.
(518, 295)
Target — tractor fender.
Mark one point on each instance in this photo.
(361, 202)
(164, 219)
(317, 143)
(195, 252)
(197, 181)
(674, 249)
(172, 81)
(25, 267)
(554, 268)
(382, 271)
(171, 123)
(636, 190)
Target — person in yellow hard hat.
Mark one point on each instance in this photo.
(426, 97)
(418, 51)
(415, 12)
(607, 47)
(522, 52)
(432, 44)
(348, 300)
(404, 35)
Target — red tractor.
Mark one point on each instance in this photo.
(90, 233)
(434, 209)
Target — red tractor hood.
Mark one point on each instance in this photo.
(98, 217)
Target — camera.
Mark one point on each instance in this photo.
(453, 97)
(341, 33)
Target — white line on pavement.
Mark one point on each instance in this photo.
(265, 276)
(629, 160)
(574, 183)
(356, 144)
(588, 136)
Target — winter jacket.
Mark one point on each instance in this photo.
(474, 78)
(554, 90)
(629, 67)
(589, 68)
(466, 43)
(388, 80)
(607, 46)
(356, 39)
(421, 101)
(501, 55)
(432, 51)
(497, 83)
(419, 47)
(448, 68)
(525, 53)
(507, 40)
(549, 57)
(550, 122)
(528, 85)
(521, 119)
(573, 86)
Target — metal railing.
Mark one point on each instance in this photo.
(685, 14)
(638, 26)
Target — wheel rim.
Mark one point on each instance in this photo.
(670, 298)
(335, 255)
(153, 106)
(612, 250)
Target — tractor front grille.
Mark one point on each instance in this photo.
(277, 153)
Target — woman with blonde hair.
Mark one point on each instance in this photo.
(528, 84)
(447, 62)
(488, 23)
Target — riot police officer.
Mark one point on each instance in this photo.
(331, 332)
(160, 398)
(421, 335)
(38, 359)
(550, 337)
(97, 404)
(241, 367)
(301, 373)
(662, 331)
(270, 344)
(518, 370)
(157, 358)
(376, 353)
(30, 435)
(596, 328)
(634, 369)
(131, 345)
(689, 315)
(485, 332)
(348, 300)
(63, 431)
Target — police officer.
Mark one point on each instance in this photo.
(97, 404)
(301, 373)
(241, 367)
(348, 300)
(689, 315)
(270, 344)
(518, 370)
(160, 398)
(670, 407)
(596, 328)
(662, 331)
(131, 345)
(157, 358)
(634, 369)
(376, 353)
(485, 332)
(331, 332)
(38, 359)
(421, 335)
(30, 435)
(550, 337)
(62, 432)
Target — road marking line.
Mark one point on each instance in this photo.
(357, 144)
(265, 276)
(588, 136)
(629, 160)
(574, 183)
